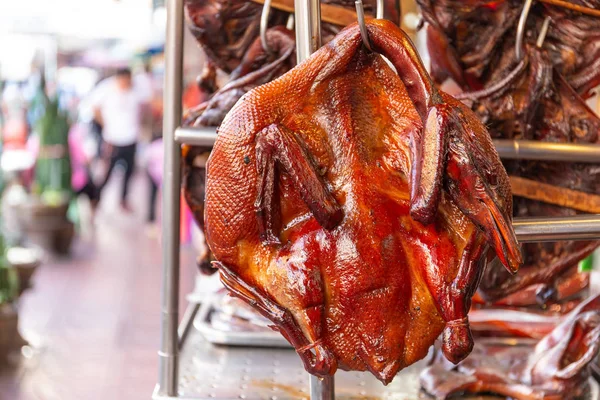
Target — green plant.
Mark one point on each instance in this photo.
(9, 279)
(53, 166)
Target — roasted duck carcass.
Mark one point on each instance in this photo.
(556, 369)
(538, 104)
(354, 206)
(530, 99)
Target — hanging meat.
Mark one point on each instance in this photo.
(354, 207)
(540, 105)
(533, 99)
(555, 369)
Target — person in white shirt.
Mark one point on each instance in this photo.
(119, 108)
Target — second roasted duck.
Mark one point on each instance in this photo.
(537, 98)
(354, 207)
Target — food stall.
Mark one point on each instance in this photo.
(200, 361)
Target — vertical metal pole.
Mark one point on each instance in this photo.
(322, 388)
(168, 354)
(307, 14)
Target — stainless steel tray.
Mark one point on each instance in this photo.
(207, 371)
(221, 372)
(260, 338)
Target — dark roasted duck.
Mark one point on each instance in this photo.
(226, 28)
(555, 369)
(354, 207)
(258, 66)
(537, 98)
(467, 38)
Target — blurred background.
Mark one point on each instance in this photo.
(81, 156)
(80, 273)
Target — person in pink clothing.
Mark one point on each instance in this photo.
(81, 179)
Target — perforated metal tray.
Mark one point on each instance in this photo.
(220, 372)
(208, 372)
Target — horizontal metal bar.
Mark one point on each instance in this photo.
(578, 227)
(547, 151)
(508, 149)
(581, 227)
(203, 136)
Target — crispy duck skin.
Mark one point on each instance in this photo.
(555, 369)
(354, 207)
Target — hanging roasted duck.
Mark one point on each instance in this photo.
(538, 104)
(354, 207)
(535, 99)
(555, 369)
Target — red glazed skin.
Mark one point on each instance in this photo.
(354, 207)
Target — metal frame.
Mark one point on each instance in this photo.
(507, 149)
(308, 39)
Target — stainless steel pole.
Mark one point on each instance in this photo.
(547, 151)
(308, 39)
(307, 14)
(168, 354)
(578, 227)
(322, 388)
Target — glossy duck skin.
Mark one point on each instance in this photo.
(556, 369)
(316, 191)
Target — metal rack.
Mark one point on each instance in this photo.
(185, 340)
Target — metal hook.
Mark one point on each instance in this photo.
(264, 22)
(289, 25)
(543, 32)
(360, 13)
(521, 29)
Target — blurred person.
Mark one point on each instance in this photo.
(120, 109)
(154, 172)
(14, 121)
